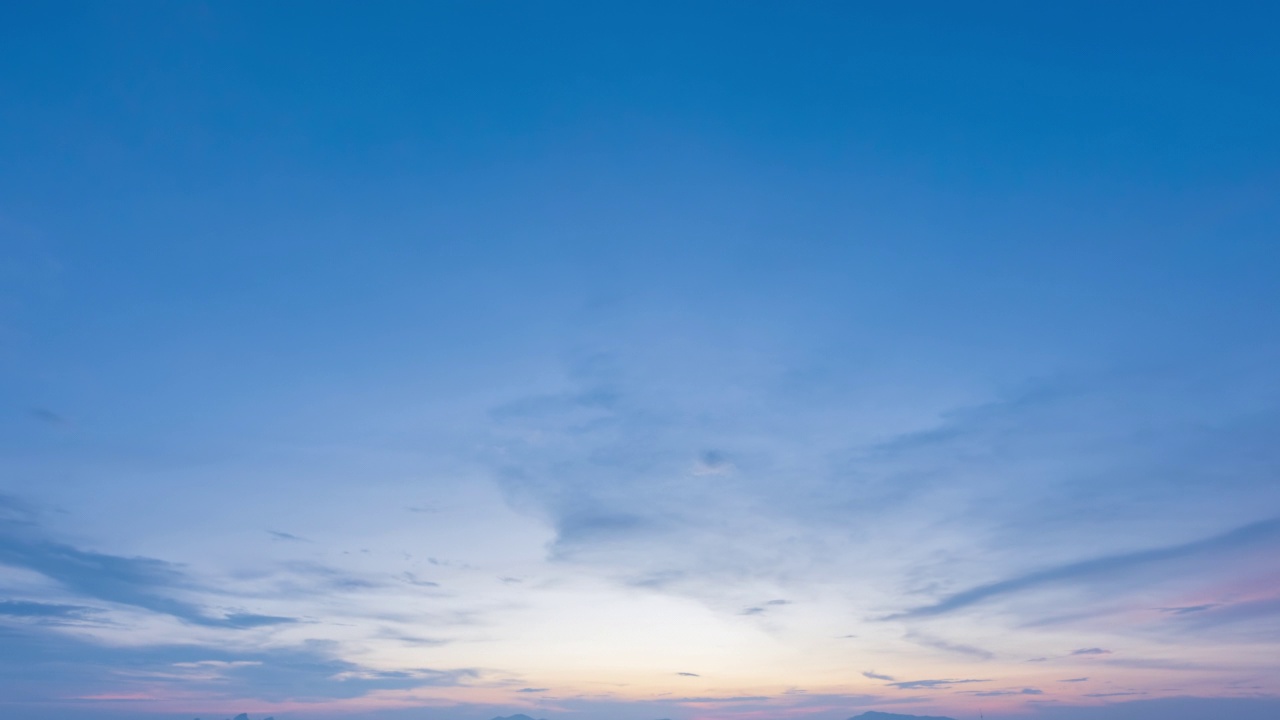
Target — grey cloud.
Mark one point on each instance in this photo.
(934, 684)
(15, 512)
(38, 665)
(533, 690)
(997, 693)
(730, 699)
(139, 582)
(1074, 680)
(412, 579)
(1255, 533)
(1174, 708)
(329, 577)
(873, 675)
(415, 640)
(1159, 664)
(28, 609)
(1067, 618)
(1188, 609)
(1227, 613)
(657, 580)
(1091, 651)
(940, 644)
(249, 620)
(590, 528)
(286, 536)
(135, 581)
(565, 406)
(688, 674)
(46, 416)
(712, 462)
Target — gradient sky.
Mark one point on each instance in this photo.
(623, 361)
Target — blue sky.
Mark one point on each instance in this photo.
(683, 360)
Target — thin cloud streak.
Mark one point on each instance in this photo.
(1254, 533)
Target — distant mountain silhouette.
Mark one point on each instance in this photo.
(873, 715)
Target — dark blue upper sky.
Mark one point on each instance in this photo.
(951, 325)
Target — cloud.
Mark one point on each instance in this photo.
(46, 416)
(15, 512)
(330, 578)
(135, 581)
(688, 674)
(997, 693)
(595, 527)
(1173, 708)
(416, 581)
(250, 620)
(729, 699)
(712, 463)
(873, 675)
(1074, 680)
(533, 690)
(1091, 651)
(46, 666)
(1219, 614)
(940, 644)
(414, 639)
(934, 684)
(27, 609)
(139, 582)
(1185, 610)
(286, 536)
(1254, 533)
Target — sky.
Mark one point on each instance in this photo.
(623, 361)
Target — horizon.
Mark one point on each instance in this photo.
(610, 361)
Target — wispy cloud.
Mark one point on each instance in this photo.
(140, 582)
(712, 462)
(1254, 533)
(1188, 609)
(935, 684)
(950, 647)
(47, 416)
(28, 609)
(51, 663)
